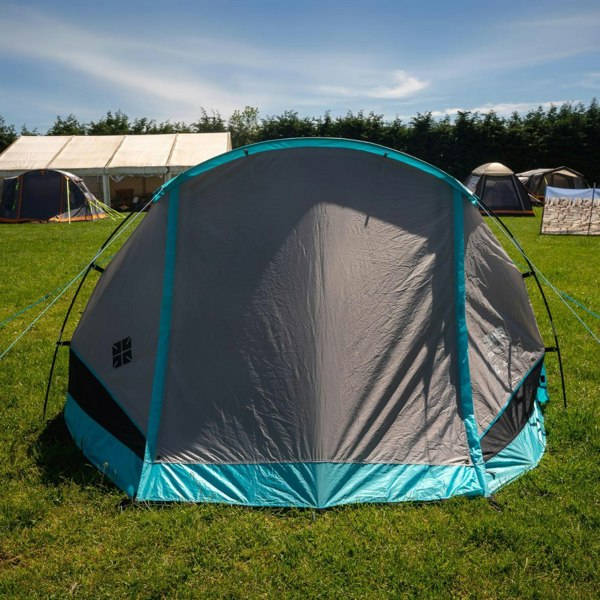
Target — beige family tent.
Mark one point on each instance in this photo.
(537, 180)
(500, 190)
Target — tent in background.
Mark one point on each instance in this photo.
(500, 190)
(536, 180)
(309, 322)
(48, 195)
(120, 169)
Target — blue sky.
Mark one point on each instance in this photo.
(166, 60)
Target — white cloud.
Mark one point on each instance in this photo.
(502, 109)
(399, 85)
(129, 68)
(173, 76)
(175, 80)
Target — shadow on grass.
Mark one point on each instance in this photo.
(61, 461)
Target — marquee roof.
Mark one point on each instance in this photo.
(135, 155)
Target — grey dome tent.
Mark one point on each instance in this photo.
(309, 322)
(48, 195)
(500, 190)
(537, 180)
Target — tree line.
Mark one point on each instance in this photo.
(559, 135)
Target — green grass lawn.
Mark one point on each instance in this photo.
(66, 532)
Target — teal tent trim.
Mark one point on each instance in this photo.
(521, 455)
(316, 485)
(276, 484)
(295, 484)
(465, 393)
(106, 452)
(271, 145)
(542, 391)
(164, 335)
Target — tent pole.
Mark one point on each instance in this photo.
(67, 181)
(59, 341)
(542, 294)
(106, 190)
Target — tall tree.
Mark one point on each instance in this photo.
(566, 134)
(420, 134)
(116, 124)
(26, 131)
(516, 146)
(142, 126)
(209, 123)
(67, 126)
(567, 137)
(395, 134)
(7, 134)
(358, 126)
(441, 150)
(591, 147)
(533, 142)
(244, 126)
(287, 125)
(492, 138)
(325, 125)
(468, 147)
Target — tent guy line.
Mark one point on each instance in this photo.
(516, 244)
(31, 306)
(580, 305)
(65, 288)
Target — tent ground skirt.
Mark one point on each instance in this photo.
(308, 485)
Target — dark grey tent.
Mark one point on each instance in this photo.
(537, 180)
(500, 190)
(309, 322)
(48, 195)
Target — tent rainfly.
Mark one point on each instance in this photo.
(536, 180)
(48, 196)
(309, 322)
(106, 156)
(500, 190)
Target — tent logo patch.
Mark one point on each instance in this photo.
(121, 352)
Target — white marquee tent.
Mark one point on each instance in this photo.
(116, 156)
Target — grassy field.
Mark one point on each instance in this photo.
(67, 532)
